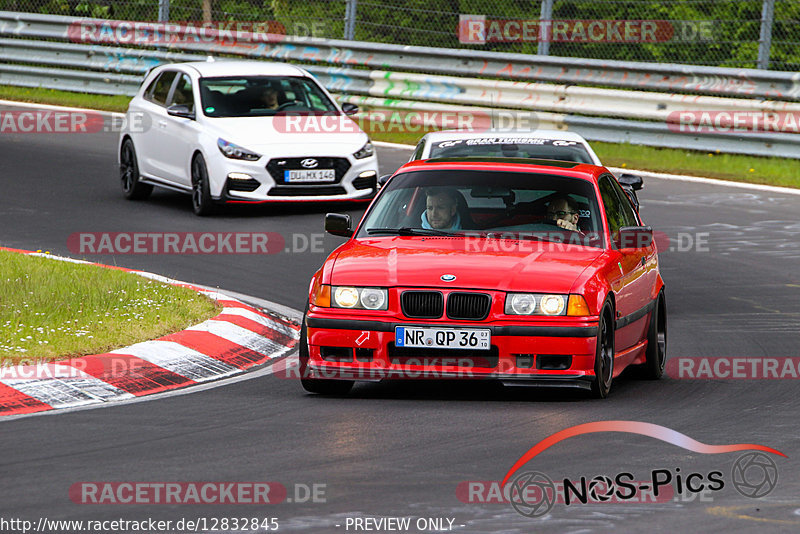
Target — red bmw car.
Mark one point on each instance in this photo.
(539, 272)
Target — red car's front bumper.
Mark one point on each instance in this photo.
(557, 352)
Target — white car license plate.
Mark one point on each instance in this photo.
(442, 338)
(311, 175)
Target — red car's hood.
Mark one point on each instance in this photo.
(505, 265)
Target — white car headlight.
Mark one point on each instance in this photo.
(365, 151)
(366, 298)
(233, 151)
(535, 304)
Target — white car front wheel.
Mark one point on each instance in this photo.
(202, 204)
(132, 188)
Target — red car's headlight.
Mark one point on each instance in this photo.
(365, 298)
(545, 304)
(535, 304)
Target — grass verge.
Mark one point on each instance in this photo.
(64, 98)
(735, 167)
(53, 310)
(752, 169)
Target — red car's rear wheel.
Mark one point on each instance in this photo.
(656, 355)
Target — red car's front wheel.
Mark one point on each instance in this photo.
(604, 355)
(321, 386)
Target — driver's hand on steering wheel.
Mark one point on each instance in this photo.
(567, 225)
(287, 104)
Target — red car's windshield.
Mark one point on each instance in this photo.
(488, 204)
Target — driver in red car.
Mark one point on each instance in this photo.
(563, 212)
(441, 210)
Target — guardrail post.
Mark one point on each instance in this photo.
(163, 10)
(545, 22)
(350, 20)
(765, 39)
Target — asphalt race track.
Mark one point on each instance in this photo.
(401, 450)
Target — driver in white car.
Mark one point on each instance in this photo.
(269, 97)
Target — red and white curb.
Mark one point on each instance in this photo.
(239, 338)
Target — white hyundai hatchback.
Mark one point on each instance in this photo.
(217, 130)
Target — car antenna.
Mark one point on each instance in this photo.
(210, 59)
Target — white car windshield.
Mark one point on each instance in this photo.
(258, 96)
(512, 147)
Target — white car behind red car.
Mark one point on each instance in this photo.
(216, 130)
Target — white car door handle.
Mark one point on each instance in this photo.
(162, 124)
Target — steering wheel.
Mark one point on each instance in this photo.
(288, 104)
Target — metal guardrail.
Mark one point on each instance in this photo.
(750, 83)
(340, 66)
(656, 134)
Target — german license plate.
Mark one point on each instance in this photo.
(442, 338)
(310, 175)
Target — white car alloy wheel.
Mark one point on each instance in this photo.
(202, 203)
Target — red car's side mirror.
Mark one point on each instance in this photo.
(338, 224)
(635, 237)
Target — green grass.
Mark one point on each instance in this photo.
(64, 98)
(404, 138)
(53, 310)
(753, 169)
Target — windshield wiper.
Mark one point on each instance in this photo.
(494, 234)
(404, 231)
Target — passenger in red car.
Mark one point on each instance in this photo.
(441, 210)
(564, 213)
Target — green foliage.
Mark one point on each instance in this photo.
(92, 10)
(706, 32)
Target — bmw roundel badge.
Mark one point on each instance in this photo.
(448, 277)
